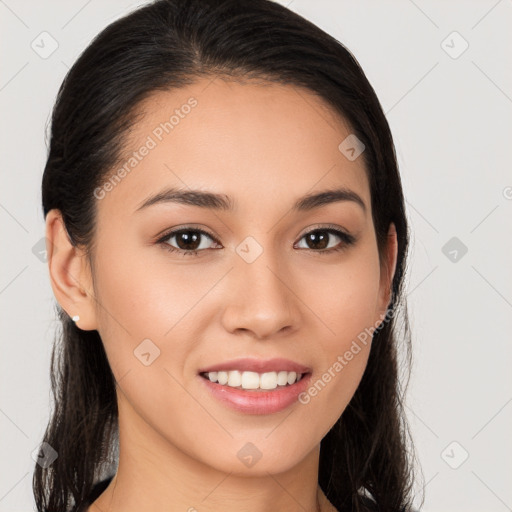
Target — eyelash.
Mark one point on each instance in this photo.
(347, 240)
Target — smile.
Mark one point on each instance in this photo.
(252, 380)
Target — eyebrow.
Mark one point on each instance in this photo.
(223, 202)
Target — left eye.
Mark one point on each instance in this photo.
(321, 237)
(189, 240)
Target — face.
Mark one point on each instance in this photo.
(268, 280)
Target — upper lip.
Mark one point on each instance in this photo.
(258, 366)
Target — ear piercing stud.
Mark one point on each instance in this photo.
(76, 318)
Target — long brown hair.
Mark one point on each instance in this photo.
(168, 44)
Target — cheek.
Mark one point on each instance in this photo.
(144, 309)
(346, 303)
(156, 301)
(345, 298)
(142, 297)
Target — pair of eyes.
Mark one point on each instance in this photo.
(190, 236)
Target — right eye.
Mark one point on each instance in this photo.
(188, 238)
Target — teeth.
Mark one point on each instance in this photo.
(250, 380)
(253, 380)
(222, 377)
(282, 378)
(234, 379)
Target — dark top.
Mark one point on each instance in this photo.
(96, 491)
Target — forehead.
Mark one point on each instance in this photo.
(252, 141)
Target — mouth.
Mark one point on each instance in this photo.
(255, 386)
(254, 381)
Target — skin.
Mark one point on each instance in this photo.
(264, 146)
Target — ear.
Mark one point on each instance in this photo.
(70, 274)
(387, 273)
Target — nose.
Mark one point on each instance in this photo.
(261, 299)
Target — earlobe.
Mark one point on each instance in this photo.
(69, 273)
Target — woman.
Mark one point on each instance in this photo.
(227, 244)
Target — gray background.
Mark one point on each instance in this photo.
(451, 116)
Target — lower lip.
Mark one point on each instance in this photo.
(257, 401)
